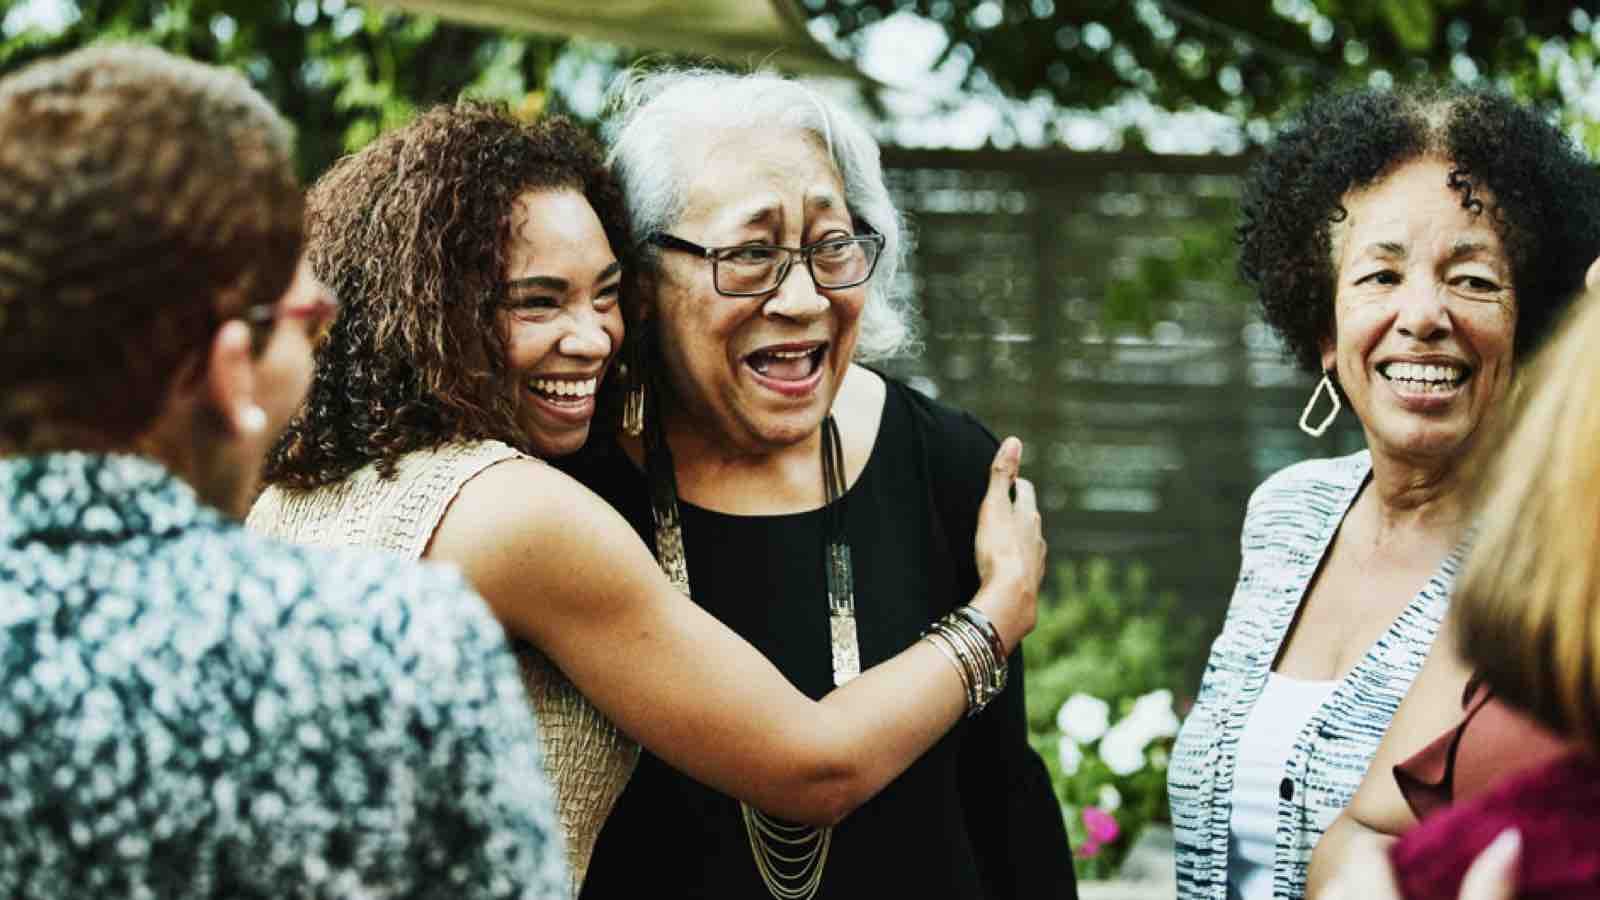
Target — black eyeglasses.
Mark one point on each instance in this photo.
(747, 270)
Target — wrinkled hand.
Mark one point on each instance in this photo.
(1492, 876)
(1010, 547)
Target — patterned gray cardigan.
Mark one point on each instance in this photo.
(191, 711)
(1290, 524)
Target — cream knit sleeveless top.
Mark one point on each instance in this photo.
(587, 759)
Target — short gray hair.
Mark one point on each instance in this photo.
(650, 110)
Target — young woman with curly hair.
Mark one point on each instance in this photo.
(1409, 247)
(474, 256)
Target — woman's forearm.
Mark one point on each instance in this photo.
(850, 745)
(1347, 842)
(861, 736)
(587, 593)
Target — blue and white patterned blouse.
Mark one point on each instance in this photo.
(189, 710)
(1288, 528)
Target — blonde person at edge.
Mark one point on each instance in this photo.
(1493, 743)
(1410, 246)
(445, 379)
(1523, 621)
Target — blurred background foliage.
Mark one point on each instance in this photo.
(1105, 632)
(1250, 61)
(343, 71)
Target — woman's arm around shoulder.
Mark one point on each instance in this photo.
(563, 570)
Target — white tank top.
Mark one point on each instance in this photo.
(1269, 734)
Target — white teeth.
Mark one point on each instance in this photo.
(562, 388)
(789, 354)
(1426, 373)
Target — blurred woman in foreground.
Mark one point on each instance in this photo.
(193, 711)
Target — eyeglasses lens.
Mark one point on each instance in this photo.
(834, 264)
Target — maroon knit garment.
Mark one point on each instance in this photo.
(1556, 807)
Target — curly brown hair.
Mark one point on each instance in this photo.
(144, 200)
(411, 234)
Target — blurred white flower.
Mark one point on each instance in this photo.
(1122, 749)
(1154, 715)
(1071, 756)
(1109, 798)
(1084, 718)
(1158, 758)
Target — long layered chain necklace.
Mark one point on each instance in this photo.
(789, 857)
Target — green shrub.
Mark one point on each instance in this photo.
(1106, 638)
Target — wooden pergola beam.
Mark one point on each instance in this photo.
(742, 32)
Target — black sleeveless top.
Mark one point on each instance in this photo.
(974, 817)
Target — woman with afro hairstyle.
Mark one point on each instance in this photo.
(1409, 247)
(475, 258)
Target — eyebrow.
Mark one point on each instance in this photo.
(758, 216)
(552, 283)
(1465, 248)
(548, 282)
(823, 202)
(1386, 248)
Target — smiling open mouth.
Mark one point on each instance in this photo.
(787, 365)
(1425, 377)
(564, 392)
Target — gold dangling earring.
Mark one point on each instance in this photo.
(632, 370)
(1326, 384)
(633, 410)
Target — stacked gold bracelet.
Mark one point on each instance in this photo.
(970, 641)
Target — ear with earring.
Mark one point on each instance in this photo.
(1326, 384)
(250, 420)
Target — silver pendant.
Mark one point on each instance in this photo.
(846, 651)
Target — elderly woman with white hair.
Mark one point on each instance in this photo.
(780, 480)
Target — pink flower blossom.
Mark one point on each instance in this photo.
(1101, 825)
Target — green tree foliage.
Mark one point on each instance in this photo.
(1245, 59)
(339, 71)
(343, 71)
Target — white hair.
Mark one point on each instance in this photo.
(651, 113)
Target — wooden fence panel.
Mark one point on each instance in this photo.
(1145, 445)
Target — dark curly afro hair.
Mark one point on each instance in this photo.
(1543, 196)
(411, 234)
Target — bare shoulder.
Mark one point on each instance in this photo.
(859, 411)
(513, 504)
(543, 550)
(859, 405)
